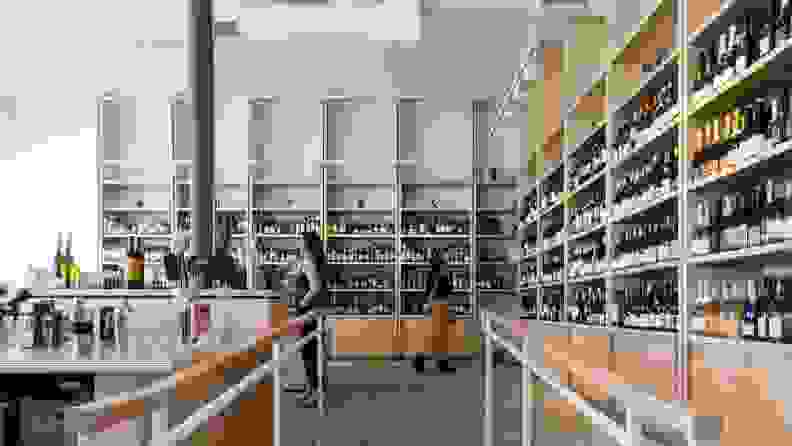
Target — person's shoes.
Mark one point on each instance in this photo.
(311, 400)
(418, 366)
(444, 367)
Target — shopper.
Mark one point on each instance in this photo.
(310, 288)
(438, 290)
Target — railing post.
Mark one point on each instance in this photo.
(528, 404)
(276, 390)
(630, 427)
(488, 392)
(321, 363)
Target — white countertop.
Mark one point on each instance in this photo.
(219, 292)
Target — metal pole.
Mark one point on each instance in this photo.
(528, 404)
(202, 90)
(276, 395)
(488, 391)
(320, 369)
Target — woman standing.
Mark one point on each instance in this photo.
(438, 290)
(311, 288)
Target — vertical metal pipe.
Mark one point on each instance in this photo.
(321, 363)
(202, 89)
(276, 394)
(528, 403)
(629, 425)
(479, 108)
(251, 239)
(489, 411)
(397, 304)
(684, 234)
(323, 228)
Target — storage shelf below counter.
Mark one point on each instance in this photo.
(382, 335)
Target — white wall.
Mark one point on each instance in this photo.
(48, 189)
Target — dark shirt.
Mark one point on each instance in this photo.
(439, 286)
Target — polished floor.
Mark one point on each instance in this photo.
(382, 403)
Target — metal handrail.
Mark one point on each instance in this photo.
(82, 418)
(625, 436)
(201, 416)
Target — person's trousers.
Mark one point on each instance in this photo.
(438, 345)
(310, 357)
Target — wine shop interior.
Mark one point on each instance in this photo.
(601, 185)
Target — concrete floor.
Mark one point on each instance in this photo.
(380, 403)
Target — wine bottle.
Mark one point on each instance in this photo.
(68, 259)
(766, 32)
(59, 257)
(131, 263)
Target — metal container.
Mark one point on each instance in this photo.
(107, 324)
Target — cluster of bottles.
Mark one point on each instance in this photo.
(552, 267)
(184, 221)
(529, 207)
(528, 248)
(136, 264)
(650, 107)
(588, 257)
(458, 255)
(497, 283)
(552, 306)
(114, 225)
(647, 182)
(761, 305)
(309, 224)
(752, 37)
(360, 283)
(641, 243)
(416, 306)
(589, 306)
(590, 214)
(650, 303)
(369, 254)
(416, 280)
(768, 117)
(436, 228)
(359, 228)
(744, 217)
(550, 195)
(588, 161)
(530, 275)
(552, 231)
(150, 255)
(272, 255)
(366, 307)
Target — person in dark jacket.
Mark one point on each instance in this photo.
(310, 287)
(438, 290)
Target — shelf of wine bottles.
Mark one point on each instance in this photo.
(646, 241)
(270, 225)
(746, 215)
(646, 182)
(552, 305)
(553, 266)
(752, 36)
(415, 280)
(419, 224)
(630, 135)
(371, 281)
(649, 303)
(528, 275)
(735, 137)
(590, 160)
(529, 206)
(758, 306)
(369, 254)
(588, 215)
(413, 254)
(588, 305)
(360, 228)
(588, 257)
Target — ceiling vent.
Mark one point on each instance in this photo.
(564, 4)
(226, 26)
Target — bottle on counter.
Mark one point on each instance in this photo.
(59, 257)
